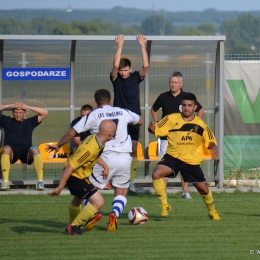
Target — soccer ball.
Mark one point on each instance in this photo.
(137, 216)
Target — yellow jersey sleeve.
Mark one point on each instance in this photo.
(184, 137)
(83, 159)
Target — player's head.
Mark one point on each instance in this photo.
(124, 68)
(19, 114)
(189, 104)
(102, 97)
(85, 110)
(107, 129)
(175, 81)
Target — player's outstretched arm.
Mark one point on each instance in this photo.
(64, 177)
(119, 41)
(143, 41)
(105, 172)
(65, 139)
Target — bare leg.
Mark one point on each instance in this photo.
(185, 187)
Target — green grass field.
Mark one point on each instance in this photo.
(32, 227)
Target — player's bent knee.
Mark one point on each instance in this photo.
(76, 201)
(6, 150)
(34, 150)
(157, 174)
(97, 200)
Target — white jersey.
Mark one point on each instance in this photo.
(122, 117)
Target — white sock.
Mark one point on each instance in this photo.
(118, 204)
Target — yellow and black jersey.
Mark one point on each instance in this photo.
(85, 156)
(184, 137)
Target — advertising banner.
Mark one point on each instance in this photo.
(242, 115)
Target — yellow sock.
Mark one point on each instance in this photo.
(87, 212)
(6, 165)
(208, 199)
(133, 169)
(160, 190)
(73, 212)
(38, 165)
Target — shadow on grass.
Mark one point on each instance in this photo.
(47, 226)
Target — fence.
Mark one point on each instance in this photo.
(89, 62)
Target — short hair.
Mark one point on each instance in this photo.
(102, 96)
(124, 62)
(176, 74)
(86, 107)
(15, 108)
(190, 96)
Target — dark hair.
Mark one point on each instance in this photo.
(124, 62)
(86, 107)
(190, 96)
(176, 74)
(102, 96)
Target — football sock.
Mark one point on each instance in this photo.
(159, 187)
(133, 169)
(208, 199)
(73, 212)
(86, 202)
(87, 212)
(118, 204)
(38, 164)
(6, 165)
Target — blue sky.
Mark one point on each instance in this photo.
(167, 5)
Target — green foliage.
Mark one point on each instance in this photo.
(189, 30)
(32, 227)
(242, 34)
(157, 25)
(242, 29)
(207, 29)
(43, 26)
(13, 26)
(203, 29)
(114, 29)
(78, 28)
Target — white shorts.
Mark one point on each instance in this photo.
(163, 148)
(119, 165)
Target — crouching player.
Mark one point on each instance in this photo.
(76, 172)
(185, 132)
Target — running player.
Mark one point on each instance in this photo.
(76, 172)
(116, 152)
(185, 132)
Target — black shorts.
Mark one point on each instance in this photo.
(82, 188)
(190, 173)
(22, 153)
(133, 131)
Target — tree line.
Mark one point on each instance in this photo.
(242, 32)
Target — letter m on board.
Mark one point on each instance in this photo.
(249, 113)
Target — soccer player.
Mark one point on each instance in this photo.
(78, 138)
(185, 132)
(116, 152)
(18, 141)
(127, 92)
(76, 172)
(170, 102)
